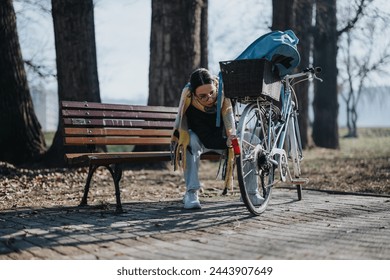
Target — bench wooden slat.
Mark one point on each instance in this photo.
(81, 122)
(101, 158)
(117, 140)
(118, 114)
(118, 107)
(71, 131)
(121, 157)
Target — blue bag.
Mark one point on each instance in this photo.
(278, 47)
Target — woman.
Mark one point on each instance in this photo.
(195, 132)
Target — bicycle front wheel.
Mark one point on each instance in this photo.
(254, 170)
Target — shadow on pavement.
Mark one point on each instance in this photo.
(21, 229)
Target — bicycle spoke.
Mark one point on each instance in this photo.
(250, 171)
(248, 143)
(249, 120)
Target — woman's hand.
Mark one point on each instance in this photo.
(232, 142)
(229, 140)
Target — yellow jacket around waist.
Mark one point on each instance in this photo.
(181, 138)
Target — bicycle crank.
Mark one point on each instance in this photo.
(282, 163)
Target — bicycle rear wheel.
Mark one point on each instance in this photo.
(254, 170)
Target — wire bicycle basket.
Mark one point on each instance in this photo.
(250, 78)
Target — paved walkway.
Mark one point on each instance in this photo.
(321, 226)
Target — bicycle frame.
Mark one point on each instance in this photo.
(286, 128)
(269, 142)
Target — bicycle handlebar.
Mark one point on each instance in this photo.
(313, 70)
(308, 72)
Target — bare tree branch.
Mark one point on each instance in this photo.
(42, 5)
(359, 13)
(41, 71)
(360, 67)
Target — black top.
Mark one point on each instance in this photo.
(204, 125)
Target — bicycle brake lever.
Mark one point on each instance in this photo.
(319, 79)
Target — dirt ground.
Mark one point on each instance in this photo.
(64, 187)
(364, 175)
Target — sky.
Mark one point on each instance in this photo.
(122, 39)
(123, 43)
(122, 30)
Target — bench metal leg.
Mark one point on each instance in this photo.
(92, 169)
(299, 192)
(116, 173)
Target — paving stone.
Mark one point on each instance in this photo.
(321, 226)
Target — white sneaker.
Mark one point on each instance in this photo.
(256, 199)
(191, 200)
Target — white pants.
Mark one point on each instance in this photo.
(191, 172)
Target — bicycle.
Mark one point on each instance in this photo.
(267, 129)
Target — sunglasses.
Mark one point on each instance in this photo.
(206, 96)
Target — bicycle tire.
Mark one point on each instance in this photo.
(253, 169)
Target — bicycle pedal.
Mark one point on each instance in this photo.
(300, 181)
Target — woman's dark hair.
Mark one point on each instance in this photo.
(200, 77)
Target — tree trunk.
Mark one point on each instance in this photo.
(204, 35)
(178, 45)
(297, 15)
(303, 29)
(283, 14)
(77, 74)
(354, 123)
(21, 138)
(325, 104)
(349, 123)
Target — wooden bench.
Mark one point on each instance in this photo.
(96, 124)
